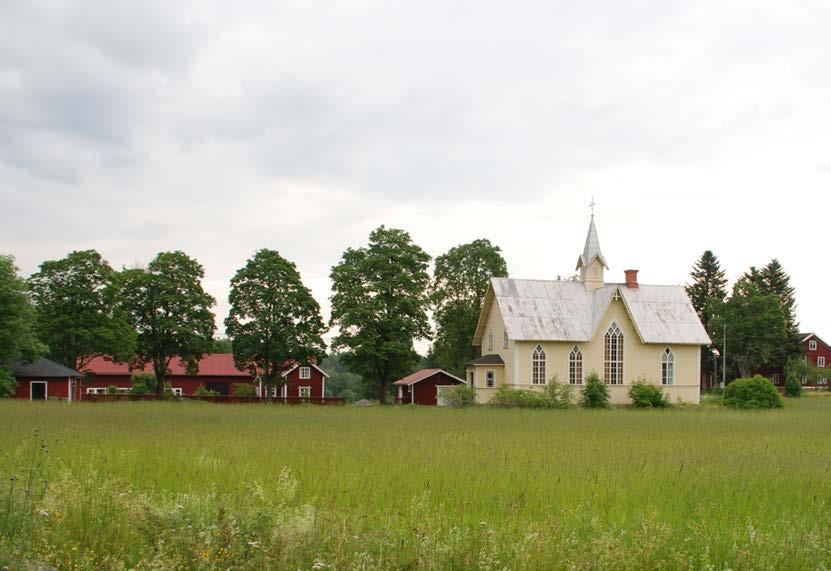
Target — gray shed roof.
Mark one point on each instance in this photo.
(542, 310)
(43, 368)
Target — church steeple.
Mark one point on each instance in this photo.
(591, 262)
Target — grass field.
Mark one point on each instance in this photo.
(196, 485)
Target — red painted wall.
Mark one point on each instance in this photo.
(294, 382)
(424, 392)
(55, 388)
(189, 385)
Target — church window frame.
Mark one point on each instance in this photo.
(505, 339)
(538, 366)
(613, 356)
(667, 367)
(490, 338)
(575, 366)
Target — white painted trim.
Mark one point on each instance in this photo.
(489, 372)
(69, 389)
(812, 345)
(436, 373)
(698, 372)
(300, 390)
(603, 353)
(287, 371)
(45, 389)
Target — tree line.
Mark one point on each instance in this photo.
(78, 308)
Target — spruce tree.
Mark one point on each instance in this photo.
(708, 282)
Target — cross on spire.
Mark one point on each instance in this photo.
(592, 205)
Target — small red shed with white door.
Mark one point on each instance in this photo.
(44, 379)
(423, 387)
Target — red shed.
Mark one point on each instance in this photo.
(44, 379)
(217, 372)
(422, 387)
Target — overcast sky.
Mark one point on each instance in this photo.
(136, 127)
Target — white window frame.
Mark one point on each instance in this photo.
(505, 339)
(96, 390)
(667, 367)
(613, 360)
(538, 359)
(45, 389)
(490, 338)
(775, 378)
(307, 390)
(575, 366)
(177, 391)
(305, 373)
(812, 345)
(490, 379)
(821, 361)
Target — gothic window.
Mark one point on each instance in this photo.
(490, 338)
(667, 367)
(505, 339)
(538, 366)
(613, 356)
(575, 366)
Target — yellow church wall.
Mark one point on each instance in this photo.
(640, 360)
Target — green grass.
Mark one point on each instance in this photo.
(196, 485)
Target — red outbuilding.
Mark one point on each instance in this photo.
(217, 372)
(44, 379)
(425, 386)
(301, 381)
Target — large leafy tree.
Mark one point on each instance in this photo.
(18, 341)
(380, 306)
(460, 281)
(170, 312)
(274, 318)
(756, 326)
(77, 314)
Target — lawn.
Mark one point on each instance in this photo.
(197, 485)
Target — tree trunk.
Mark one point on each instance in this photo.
(382, 398)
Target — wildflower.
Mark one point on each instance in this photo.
(254, 544)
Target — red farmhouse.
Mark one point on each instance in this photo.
(217, 372)
(423, 387)
(301, 381)
(815, 351)
(45, 379)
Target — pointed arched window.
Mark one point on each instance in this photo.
(505, 339)
(613, 356)
(667, 367)
(538, 366)
(575, 366)
(490, 338)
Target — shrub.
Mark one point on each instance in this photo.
(143, 383)
(507, 396)
(348, 395)
(756, 392)
(646, 395)
(459, 396)
(244, 390)
(8, 384)
(793, 388)
(204, 392)
(560, 395)
(595, 392)
(112, 390)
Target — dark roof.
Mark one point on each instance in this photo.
(424, 374)
(487, 360)
(43, 367)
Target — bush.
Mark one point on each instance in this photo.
(757, 392)
(112, 390)
(203, 392)
(560, 395)
(595, 393)
(459, 396)
(348, 395)
(244, 390)
(646, 395)
(8, 384)
(553, 395)
(793, 388)
(143, 383)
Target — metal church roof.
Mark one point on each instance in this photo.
(544, 310)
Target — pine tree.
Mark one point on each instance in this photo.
(708, 282)
(777, 282)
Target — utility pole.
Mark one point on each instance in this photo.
(724, 359)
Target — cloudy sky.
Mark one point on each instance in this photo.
(135, 127)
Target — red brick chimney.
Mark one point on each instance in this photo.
(631, 278)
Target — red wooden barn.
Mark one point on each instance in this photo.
(422, 387)
(217, 372)
(44, 379)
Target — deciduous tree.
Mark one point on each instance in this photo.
(460, 281)
(379, 305)
(17, 320)
(77, 315)
(273, 319)
(170, 312)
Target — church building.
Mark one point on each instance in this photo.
(532, 330)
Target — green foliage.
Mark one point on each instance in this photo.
(273, 317)
(756, 327)
(202, 391)
(793, 387)
(112, 390)
(77, 314)
(460, 280)
(459, 396)
(560, 395)
(708, 282)
(348, 395)
(143, 383)
(244, 390)
(553, 395)
(595, 392)
(755, 392)
(341, 381)
(379, 307)
(221, 345)
(18, 341)
(170, 312)
(646, 395)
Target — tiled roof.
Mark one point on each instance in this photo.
(213, 365)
